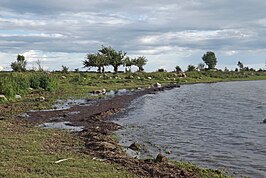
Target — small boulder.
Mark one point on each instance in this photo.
(149, 78)
(264, 121)
(63, 77)
(18, 97)
(138, 78)
(135, 146)
(3, 98)
(106, 146)
(160, 158)
(158, 85)
(42, 98)
(104, 91)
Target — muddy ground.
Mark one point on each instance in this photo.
(97, 134)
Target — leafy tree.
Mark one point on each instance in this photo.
(127, 62)
(226, 69)
(64, 69)
(210, 59)
(240, 65)
(201, 66)
(115, 58)
(178, 69)
(140, 62)
(162, 70)
(96, 60)
(20, 64)
(191, 68)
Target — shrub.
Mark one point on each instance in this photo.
(7, 87)
(34, 82)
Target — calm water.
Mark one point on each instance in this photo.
(213, 125)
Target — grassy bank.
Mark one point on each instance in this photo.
(28, 151)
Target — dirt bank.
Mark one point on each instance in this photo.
(98, 130)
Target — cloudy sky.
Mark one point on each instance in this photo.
(168, 33)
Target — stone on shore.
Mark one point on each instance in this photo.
(158, 85)
(264, 121)
(135, 146)
(160, 158)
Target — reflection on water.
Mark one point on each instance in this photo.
(215, 125)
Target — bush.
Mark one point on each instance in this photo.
(34, 82)
(7, 87)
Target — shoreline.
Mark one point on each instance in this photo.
(98, 130)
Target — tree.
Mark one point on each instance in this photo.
(240, 65)
(64, 69)
(191, 68)
(178, 69)
(210, 59)
(38, 62)
(140, 62)
(20, 64)
(201, 66)
(115, 58)
(127, 62)
(96, 60)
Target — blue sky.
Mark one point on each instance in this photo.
(168, 33)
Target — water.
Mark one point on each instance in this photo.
(62, 125)
(213, 125)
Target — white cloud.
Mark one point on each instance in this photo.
(173, 29)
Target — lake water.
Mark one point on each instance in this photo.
(213, 125)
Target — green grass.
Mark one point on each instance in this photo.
(32, 152)
(201, 172)
(27, 151)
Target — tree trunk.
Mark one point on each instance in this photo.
(115, 69)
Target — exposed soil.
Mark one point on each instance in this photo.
(98, 134)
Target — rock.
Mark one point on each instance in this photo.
(138, 78)
(182, 75)
(63, 77)
(42, 98)
(264, 121)
(160, 158)
(105, 146)
(158, 85)
(135, 146)
(103, 91)
(18, 97)
(149, 78)
(3, 98)
(168, 152)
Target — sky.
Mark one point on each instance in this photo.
(168, 33)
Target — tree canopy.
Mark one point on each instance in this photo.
(114, 58)
(178, 69)
(210, 59)
(20, 64)
(140, 62)
(109, 56)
